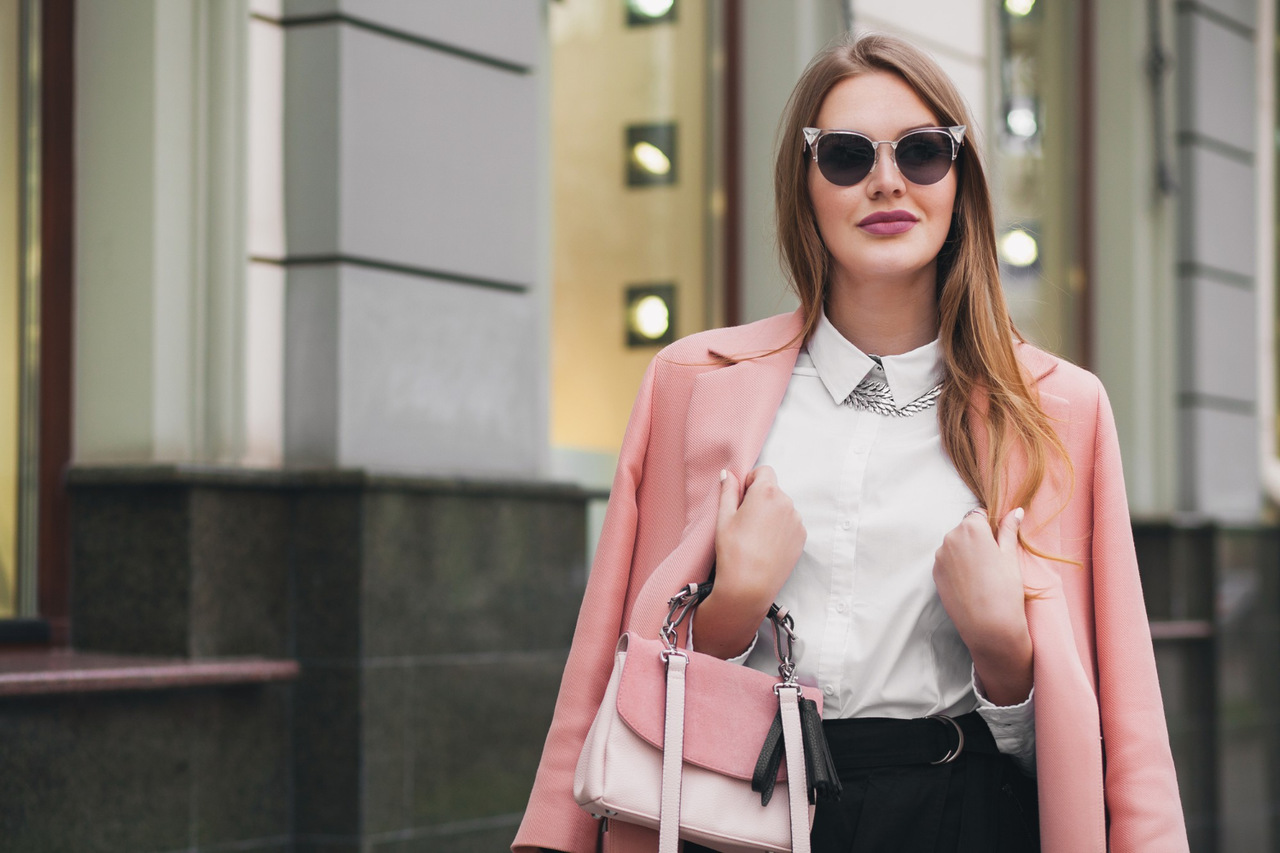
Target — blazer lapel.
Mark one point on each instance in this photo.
(730, 413)
(1066, 713)
(731, 409)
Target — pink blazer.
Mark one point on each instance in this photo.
(1095, 675)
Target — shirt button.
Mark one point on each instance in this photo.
(829, 690)
(841, 607)
(846, 524)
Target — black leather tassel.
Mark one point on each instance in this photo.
(766, 772)
(824, 781)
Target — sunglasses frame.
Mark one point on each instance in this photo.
(813, 135)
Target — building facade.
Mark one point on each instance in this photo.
(325, 318)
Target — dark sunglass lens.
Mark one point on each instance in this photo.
(924, 158)
(844, 159)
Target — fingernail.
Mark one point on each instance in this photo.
(1018, 514)
(724, 474)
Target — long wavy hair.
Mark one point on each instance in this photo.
(985, 388)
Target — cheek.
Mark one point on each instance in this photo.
(943, 207)
(828, 206)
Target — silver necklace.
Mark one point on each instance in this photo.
(872, 395)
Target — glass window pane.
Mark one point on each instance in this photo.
(630, 246)
(10, 184)
(1037, 172)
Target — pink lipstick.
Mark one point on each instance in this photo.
(888, 222)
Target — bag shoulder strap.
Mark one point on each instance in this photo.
(672, 754)
(797, 789)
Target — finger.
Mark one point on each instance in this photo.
(764, 474)
(728, 497)
(1008, 534)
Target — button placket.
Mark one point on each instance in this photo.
(843, 581)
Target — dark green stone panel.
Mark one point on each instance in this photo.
(130, 559)
(327, 751)
(326, 565)
(471, 573)
(241, 764)
(240, 572)
(478, 729)
(387, 754)
(97, 774)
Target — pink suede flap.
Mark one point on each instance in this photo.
(728, 707)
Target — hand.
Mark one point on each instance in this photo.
(980, 584)
(759, 539)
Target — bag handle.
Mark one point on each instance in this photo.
(684, 602)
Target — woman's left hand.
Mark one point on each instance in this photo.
(980, 584)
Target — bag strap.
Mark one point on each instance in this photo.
(672, 753)
(797, 788)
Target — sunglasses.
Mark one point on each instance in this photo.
(923, 156)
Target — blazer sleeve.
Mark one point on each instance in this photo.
(1143, 806)
(552, 819)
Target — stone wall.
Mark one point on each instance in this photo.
(430, 618)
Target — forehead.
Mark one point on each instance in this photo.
(879, 104)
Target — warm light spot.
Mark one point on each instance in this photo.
(1018, 248)
(1022, 122)
(651, 8)
(1020, 8)
(650, 317)
(651, 158)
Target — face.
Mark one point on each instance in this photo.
(902, 251)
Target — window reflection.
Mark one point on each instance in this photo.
(10, 264)
(629, 176)
(1037, 163)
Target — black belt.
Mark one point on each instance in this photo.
(861, 742)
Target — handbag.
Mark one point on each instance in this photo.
(692, 745)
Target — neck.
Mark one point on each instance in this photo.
(885, 317)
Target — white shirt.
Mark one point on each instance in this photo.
(877, 494)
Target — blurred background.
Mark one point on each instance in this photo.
(320, 322)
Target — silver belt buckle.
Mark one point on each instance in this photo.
(952, 754)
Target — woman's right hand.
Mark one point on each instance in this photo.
(759, 539)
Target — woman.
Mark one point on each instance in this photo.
(940, 505)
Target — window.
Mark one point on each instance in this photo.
(36, 158)
(1037, 173)
(632, 175)
(12, 125)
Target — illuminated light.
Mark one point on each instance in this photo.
(1019, 8)
(1022, 122)
(651, 8)
(651, 158)
(650, 317)
(1018, 248)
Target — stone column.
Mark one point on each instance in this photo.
(415, 210)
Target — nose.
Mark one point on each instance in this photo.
(885, 179)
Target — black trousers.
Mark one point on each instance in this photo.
(895, 800)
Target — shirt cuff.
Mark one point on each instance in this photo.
(742, 658)
(1013, 727)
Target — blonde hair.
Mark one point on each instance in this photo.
(975, 331)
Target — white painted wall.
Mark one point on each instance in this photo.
(1217, 262)
(953, 32)
(160, 212)
(407, 168)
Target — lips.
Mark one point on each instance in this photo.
(887, 222)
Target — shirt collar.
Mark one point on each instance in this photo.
(841, 365)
